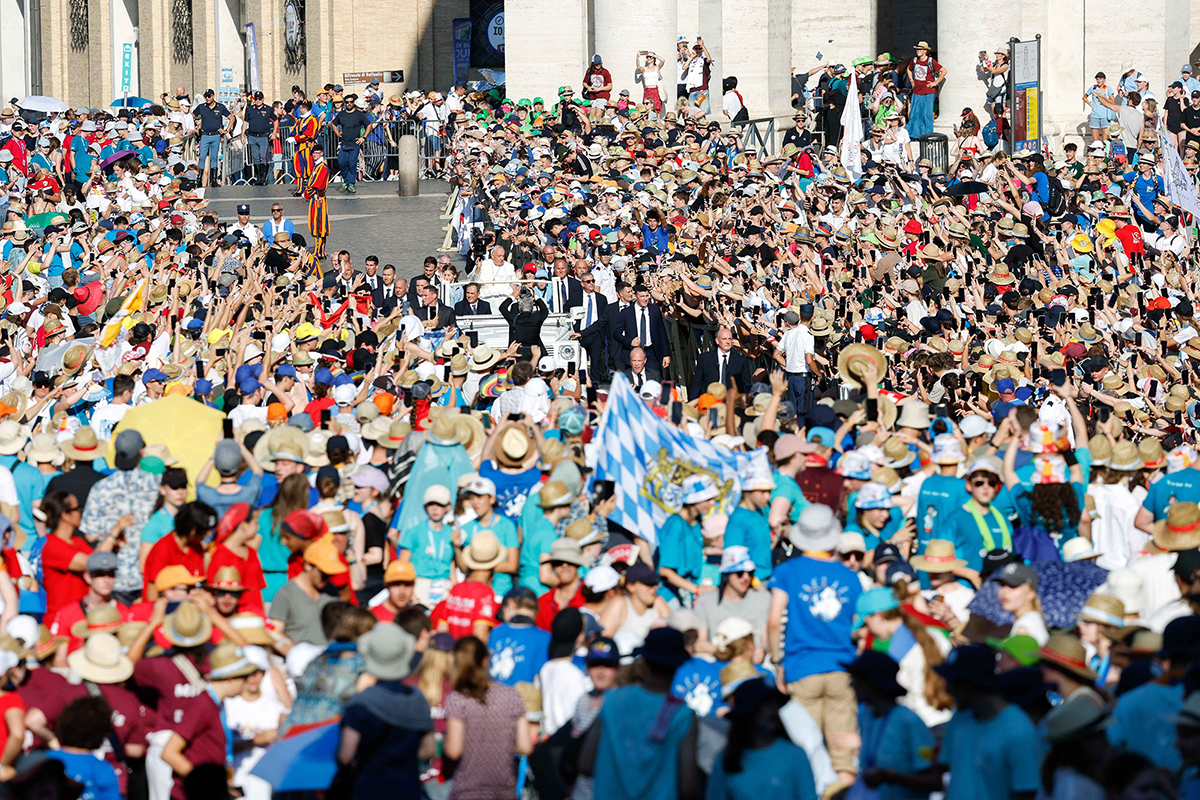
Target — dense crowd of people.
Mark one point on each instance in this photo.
(248, 498)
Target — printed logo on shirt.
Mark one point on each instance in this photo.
(505, 660)
(824, 599)
(187, 690)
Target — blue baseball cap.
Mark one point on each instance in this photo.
(1005, 385)
(285, 371)
(202, 387)
(151, 375)
(324, 376)
(249, 386)
(822, 436)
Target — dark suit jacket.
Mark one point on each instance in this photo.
(385, 306)
(574, 293)
(627, 330)
(652, 374)
(463, 309)
(444, 314)
(599, 326)
(708, 371)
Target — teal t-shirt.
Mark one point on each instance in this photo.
(898, 741)
(431, 551)
(681, 548)
(939, 496)
(272, 554)
(506, 532)
(778, 770)
(993, 759)
(1175, 487)
(752, 530)
(969, 545)
(894, 523)
(1142, 722)
(536, 540)
(787, 488)
(1065, 531)
(161, 523)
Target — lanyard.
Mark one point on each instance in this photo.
(224, 724)
(988, 541)
(436, 549)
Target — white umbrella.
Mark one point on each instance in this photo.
(47, 105)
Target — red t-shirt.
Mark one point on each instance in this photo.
(548, 609)
(923, 73)
(315, 407)
(467, 603)
(8, 700)
(167, 553)
(251, 571)
(71, 613)
(201, 727)
(141, 612)
(62, 585)
(594, 80)
(1131, 239)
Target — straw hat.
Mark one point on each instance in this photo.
(1152, 454)
(187, 626)
(855, 358)
(102, 619)
(1105, 609)
(43, 449)
(388, 652)
(1065, 651)
(554, 494)
(100, 660)
(939, 556)
(484, 551)
(514, 446)
(1181, 529)
(228, 661)
(1124, 457)
(252, 628)
(85, 446)
(470, 433)
(1075, 719)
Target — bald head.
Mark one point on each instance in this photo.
(724, 339)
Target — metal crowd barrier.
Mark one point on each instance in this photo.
(378, 156)
(757, 134)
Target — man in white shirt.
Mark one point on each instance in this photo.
(245, 227)
(107, 416)
(795, 353)
(495, 268)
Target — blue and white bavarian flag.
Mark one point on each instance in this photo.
(648, 459)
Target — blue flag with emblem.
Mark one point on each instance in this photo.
(648, 459)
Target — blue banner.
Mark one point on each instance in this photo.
(461, 29)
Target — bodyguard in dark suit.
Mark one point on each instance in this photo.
(433, 309)
(640, 322)
(565, 291)
(723, 365)
(613, 312)
(639, 371)
(592, 329)
(471, 305)
(384, 299)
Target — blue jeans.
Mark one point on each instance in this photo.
(348, 164)
(210, 148)
(259, 148)
(920, 115)
(800, 393)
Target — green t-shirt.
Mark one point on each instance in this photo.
(431, 551)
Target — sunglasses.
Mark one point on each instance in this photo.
(226, 593)
(557, 564)
(739, 573)
(853, 554)
(986, 482)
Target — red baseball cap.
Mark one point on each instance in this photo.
(912, 226)
(304, 524)
(236, 515)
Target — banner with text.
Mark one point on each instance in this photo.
(461, 29)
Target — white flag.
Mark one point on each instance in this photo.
(1180, 189)
(852, 131)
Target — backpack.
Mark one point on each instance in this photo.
(1056, 199)
(991, 137)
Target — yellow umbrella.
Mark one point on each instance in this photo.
(190, 430)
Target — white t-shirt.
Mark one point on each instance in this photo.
(731, 104)
(1031, 623)
(562, 684)
(244, 412)
(107, 417)
(795, 345)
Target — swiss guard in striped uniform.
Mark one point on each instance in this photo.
(313, 190)
(304, 134)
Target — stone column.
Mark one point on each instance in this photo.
(964, 28)
(756, 47)
(620, 28)
(545, 46)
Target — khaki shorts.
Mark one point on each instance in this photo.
(833, 706)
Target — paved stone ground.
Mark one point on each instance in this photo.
(400, 230)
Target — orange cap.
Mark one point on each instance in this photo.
(399, 571)
(384, 401)
(707, 401)
(175, 575)
(277, 412)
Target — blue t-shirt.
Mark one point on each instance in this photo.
(223, 502)
(821, 596)
(939, 496)
(31, 486)
(780, 769)
(991, 760)
(962, 529)
(681, 548)
(1142, 722)
(898, 741)
(431, 552)
(698, 683)
(512, 489)
(83, 158)
(97, 775)
(506, 532)
(751, 529)
(517, 653)
(1175, 487)
(1066, 531)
